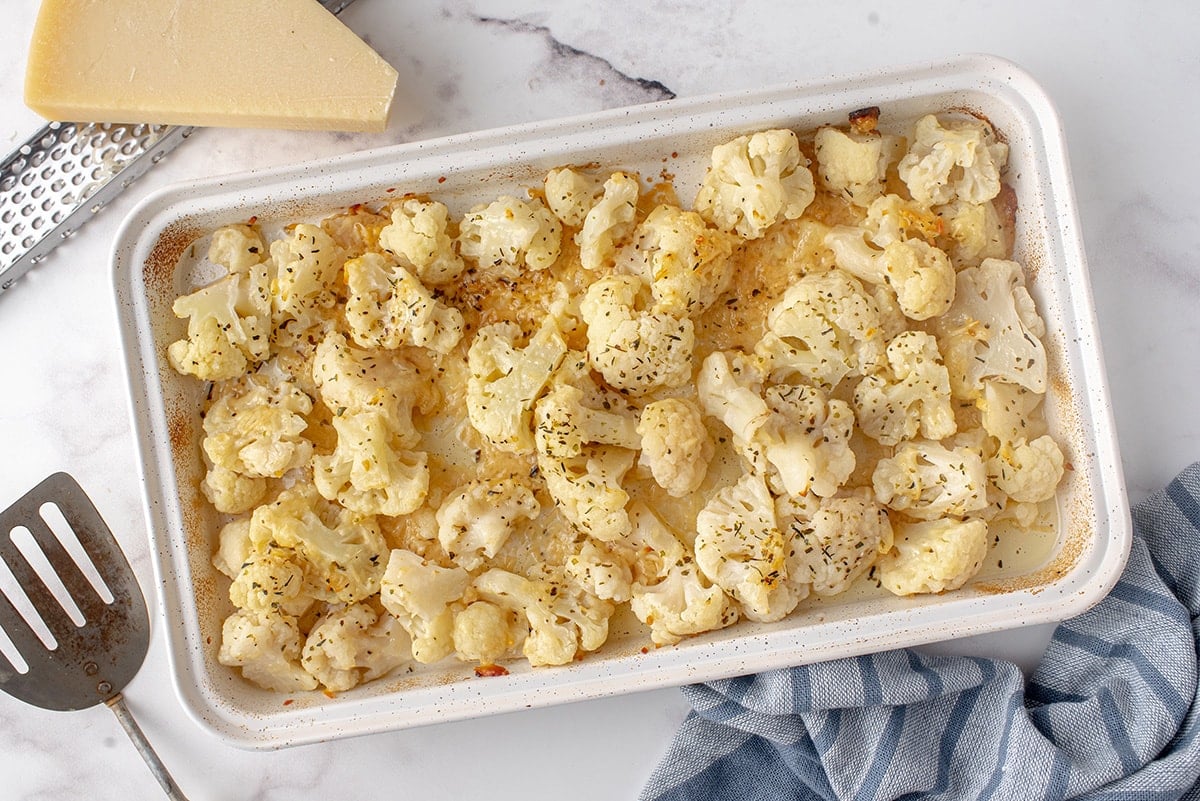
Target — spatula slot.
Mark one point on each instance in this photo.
(29, 548)
(65, 534)
(11, 654)
(13, 591)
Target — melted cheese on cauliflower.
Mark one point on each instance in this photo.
(476, 432)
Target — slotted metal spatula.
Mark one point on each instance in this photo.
(86, 664)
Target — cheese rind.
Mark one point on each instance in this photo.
(262, 64)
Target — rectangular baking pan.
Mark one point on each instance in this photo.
(159, 254)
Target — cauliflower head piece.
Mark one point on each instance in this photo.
(252, 432)
(794, 434)
(824, 328)
(506, 381)
(419, 236)
(476, 519)
(956, 159)
(926, 480)
(992, 331)
(353, 645)
(832, 541)
(973, 232)
(1027, 472)
(369, 470)
(609, 222)
(933, 556)
(424, 598)
(754, 181)
(601, 570)
(229, 327)
(911, 396)
(919, 273)
(306, 264)
(853, 164)
(389, 307)
(562, 618)
(352, 380)
(571, 193)
(636, 350)
(675, 445)
(671, 595)
(685, 262)
(510, 234)
(266, 645)
(740, 549)
(340, 551)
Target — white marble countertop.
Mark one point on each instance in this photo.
(1122, 75)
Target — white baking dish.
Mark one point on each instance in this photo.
(154, 261)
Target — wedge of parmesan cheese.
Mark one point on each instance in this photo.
(259, 64)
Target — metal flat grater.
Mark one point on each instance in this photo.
(66, 172)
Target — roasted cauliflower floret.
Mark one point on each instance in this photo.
(341, 552)
(933, 556)
(891, 218)
(824, 328)
(565, 424)
(740, 549)
(853, 164)
(510, 234)
(251, 433)
(919, 273)
(793, 433)
(609, 221)
(755, 181)
(370, 471)
(485, 632)
(1027, 472)
(571, 193)
(476, 519)
(832, 541)
(419, 236)
(388, 307)
(562, 619)
(958, 158)
(354, 645)
(911, 396)
(506, 381)
(926, 480)
(271, 578)
(992, 331)
(306, 266)
(584, 452)
(351, 380)
(424, 598)
(265, 644)
(636, 350)
(685, 262)
(675, 444)
(229, 325)
(587, 489)
(601, 571)
(973, 232)
(673, 597)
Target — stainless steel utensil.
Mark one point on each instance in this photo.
(85, 664)
(66, 172)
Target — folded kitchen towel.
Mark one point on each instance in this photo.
(1110, 713)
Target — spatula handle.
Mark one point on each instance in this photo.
(117, 705)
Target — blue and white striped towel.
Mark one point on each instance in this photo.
(1110, 713)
